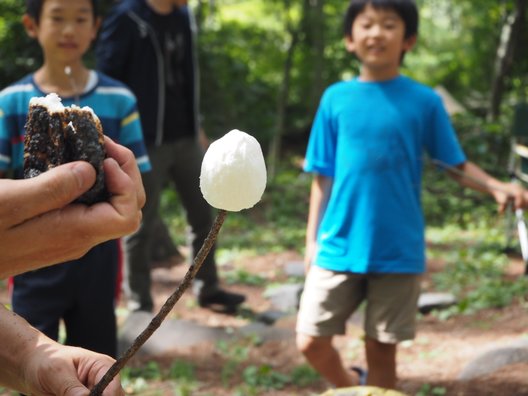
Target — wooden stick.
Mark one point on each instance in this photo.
(156, 322)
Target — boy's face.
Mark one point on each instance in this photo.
(378, 40)
(65, 30)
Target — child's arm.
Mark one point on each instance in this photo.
(477, 179)
(320, 191)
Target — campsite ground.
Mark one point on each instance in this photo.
(428, 366)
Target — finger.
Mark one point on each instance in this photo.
(51, 190)
(67, 384)
(77, 390)
(114, 388)
(127, 162)
(56, 236)
(123, 190)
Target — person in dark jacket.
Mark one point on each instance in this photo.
(149, 45)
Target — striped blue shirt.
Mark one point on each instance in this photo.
(113, 102)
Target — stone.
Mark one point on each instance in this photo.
(285, 297)
(295, 268)
(172, 334)
(428, 302)
(495, 359)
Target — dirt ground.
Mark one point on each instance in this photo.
(433, 361)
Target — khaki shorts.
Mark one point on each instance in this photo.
(330, 298)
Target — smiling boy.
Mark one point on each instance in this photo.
(80, 292)
(365, 232)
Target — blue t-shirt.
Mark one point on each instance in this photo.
(113, 102)
(370, 138)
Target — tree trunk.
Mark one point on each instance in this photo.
(282, 101)
(318, 47)
(505, 55)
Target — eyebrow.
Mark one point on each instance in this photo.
(383, 18)
(58, 9)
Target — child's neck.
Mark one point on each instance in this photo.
(64, 80)
(162, 6)
(373, 75)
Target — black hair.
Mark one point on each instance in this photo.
(34, 8)
(406, 9)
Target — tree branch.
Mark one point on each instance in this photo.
(156, 322)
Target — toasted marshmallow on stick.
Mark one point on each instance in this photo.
(233, 175)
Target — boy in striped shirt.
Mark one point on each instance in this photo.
(82, 292)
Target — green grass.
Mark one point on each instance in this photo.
(475, 268)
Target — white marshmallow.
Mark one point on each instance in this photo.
(51, 101)
(233, 175)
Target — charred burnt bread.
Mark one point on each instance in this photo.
(56, 134)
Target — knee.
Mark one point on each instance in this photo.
(310, 346)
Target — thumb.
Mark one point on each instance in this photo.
(53, 189)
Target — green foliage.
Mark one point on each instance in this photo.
(243, 277)
(181, 370)
(180, 376)
(444, 200)
(18, 53)
(265, 377)
(430, 390)
(304, 375)
(150, 371)
(134, 379)
(475, 270)
(235, 353)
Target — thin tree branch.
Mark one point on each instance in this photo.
(156, 322)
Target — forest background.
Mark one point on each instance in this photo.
(264, 65)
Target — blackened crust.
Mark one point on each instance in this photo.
(58, 138)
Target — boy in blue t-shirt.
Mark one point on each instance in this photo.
(80, 292)
(365, 233)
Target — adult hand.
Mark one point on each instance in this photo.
(36, 365)
(40, 226)
(55, 369)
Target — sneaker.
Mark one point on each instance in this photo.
(361, 373)
(222, 301)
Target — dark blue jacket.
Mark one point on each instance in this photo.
(128, 50)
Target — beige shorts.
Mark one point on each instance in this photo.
(329, 298)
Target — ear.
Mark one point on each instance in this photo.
(30, 25)
(349, 44)
(409, 43)
(96, 26)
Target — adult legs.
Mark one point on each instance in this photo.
(185, 174)
(138, 245)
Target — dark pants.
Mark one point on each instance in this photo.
(179, 164)
(80, 292)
